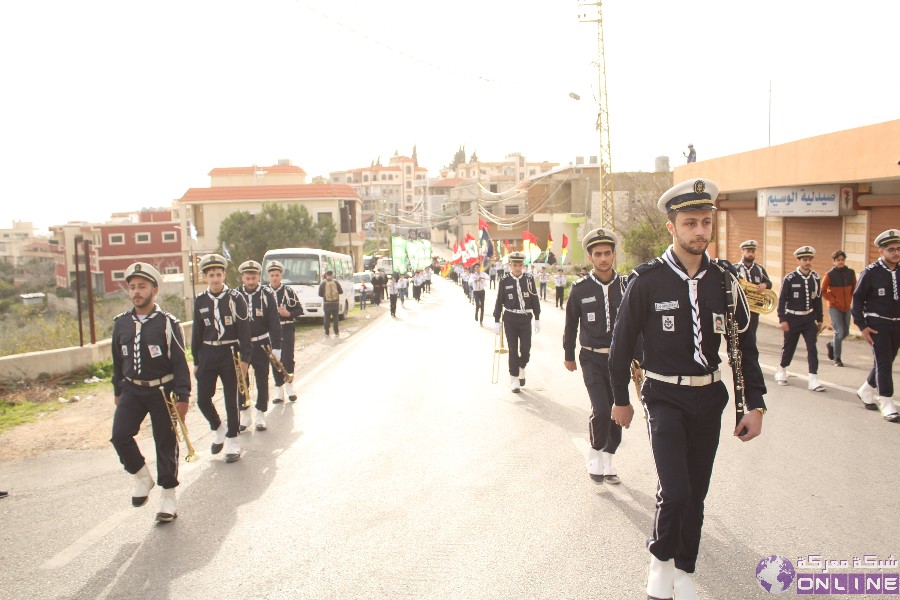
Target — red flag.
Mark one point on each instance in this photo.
(527, 235)
(565, 241)
(482, 225)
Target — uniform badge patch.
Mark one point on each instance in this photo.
(668, 322)
(881, 291)
(663, 306)
(155, 352)
(589, 299)
(228, 320)
(204, 310)
(259, 312)
(796, 294)
(206, 322)
(718, 323)
(509, 296)
(124, 350)
(524, 294)
(591, 317)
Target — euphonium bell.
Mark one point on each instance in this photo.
(760, 301)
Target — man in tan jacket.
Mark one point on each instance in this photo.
(837, 287)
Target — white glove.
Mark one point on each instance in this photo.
(277, 354)
(537, 326)
(497, 328)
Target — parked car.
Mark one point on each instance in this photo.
(365, 278)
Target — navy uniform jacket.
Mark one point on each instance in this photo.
(161, 351)
(264, 317)
(286, 297)
(877, 292)
(657, 304)
(517, 294)
(800, 294)
(588, 315)
(233, 311)
(755, 273)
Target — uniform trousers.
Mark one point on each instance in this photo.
(259, 362)
(887, 342)
(560, 292)
(134, 404)
(216, 363)
(479, 305)
(543, 290)
(605, 435)
(517, 328)
(287, 353)
(683, 423)
(493, 282)
(804, 325)
(393, 305)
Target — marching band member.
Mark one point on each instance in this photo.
(517, 301)
(800, 313)
(149, 364)
(542, 278)
(289, 308)
(221, 328)
(750, 270)
(591, 316)
(265, 330)
(876, 311)
(678, 303)
(478, 281)
(559, 280)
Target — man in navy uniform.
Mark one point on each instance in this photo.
(674, 302)
(149, 364)
(800, 314)
(289, 308)
(591, 315)
(478, 281)
(265, 330)
(876, 311)
(753, 272)
(221, 329)
(517, 302)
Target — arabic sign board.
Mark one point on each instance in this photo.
(811, 201)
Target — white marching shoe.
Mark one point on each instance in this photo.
(289, 390)
(684, 586)
(595, 466)
(260, 420)
(278, 396)
(522, 376)
(866, 393)
(609, 471)
(514, 383)
(219, 439)
(168, 508)
(781, 376)
(661, 579)
(888, 410)
(814, 384)
(232, 449)
(245, 420)
(143, 483)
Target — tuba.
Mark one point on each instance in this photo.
(760, 301)
(179, 427)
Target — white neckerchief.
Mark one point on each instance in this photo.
(139, 321)
(746, 270)
(806, 279)
(519, 289)
(220, 327)
(670, 259)
(249, 296)
(605, 287)
(893, 273)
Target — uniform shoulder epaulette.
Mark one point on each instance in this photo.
(871, 266)
(200, 294)
(121, 314)
(815, 275)
(235, 292)
(790, 275)
(725, 265)
(647, 266)
(577, 281)
(171, 317)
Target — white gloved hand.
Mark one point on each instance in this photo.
(497, 328)
(277, 354)
(537, 326)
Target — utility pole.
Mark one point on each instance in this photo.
(591, 12)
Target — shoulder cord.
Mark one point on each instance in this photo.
(234, 312)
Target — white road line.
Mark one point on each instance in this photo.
(88, 539)
(773, 368)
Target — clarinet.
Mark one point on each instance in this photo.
(734, 356)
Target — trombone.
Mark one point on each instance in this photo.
(243, 386)
(179, 427)
(499, 350)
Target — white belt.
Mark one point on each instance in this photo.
(597, 350)
(691, 380)
(880, 317)
(264, 336)
(798, 312)
(287, 323)
(152, 382)
(219, 342)
(517, 311)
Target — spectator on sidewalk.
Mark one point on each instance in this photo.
(837, 288)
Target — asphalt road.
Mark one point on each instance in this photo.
(403, 473)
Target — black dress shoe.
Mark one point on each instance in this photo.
(242, 428)
(277, 400)
(830, 348)
(165, 517)
(137, 501)
(893, 418)
(613, 479)
(292, 398)
(229, 458)
(216, 448)
(655, 598)
(838, 363)
(598, 479)
(260, 427)
(4, 494)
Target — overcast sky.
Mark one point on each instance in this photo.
(113, 106)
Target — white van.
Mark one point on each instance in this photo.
(304, 270)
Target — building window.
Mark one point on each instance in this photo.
(324, 217)
(511, 209)
(142, 238)
(409, 185)
(197, 211)
(169, 236)
(408, 170)
(493, 188)
(116, 239)
(383, 176)
(118, 275)
(365, 178)
(170, 270)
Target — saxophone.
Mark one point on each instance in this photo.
(179, 427)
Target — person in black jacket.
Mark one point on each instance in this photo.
(517, 302)
(289, 308)
(330, 291)
(675, 302)
(149, 365)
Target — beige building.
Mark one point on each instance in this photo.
(394, 189)
(247, 189)
(15, 243)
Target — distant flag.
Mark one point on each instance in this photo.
(549, 241)
(532, 250)
(192, 231)
(487, 246)
(470, 253)
(505, 247)
(565, 249)
(482, 225)
(225, 252)
(457, 254)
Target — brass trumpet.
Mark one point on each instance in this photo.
(178, 426)
(243, 386)
(760, 301)
(289, 377)
(499, 350)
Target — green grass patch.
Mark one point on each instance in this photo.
(18, 413)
